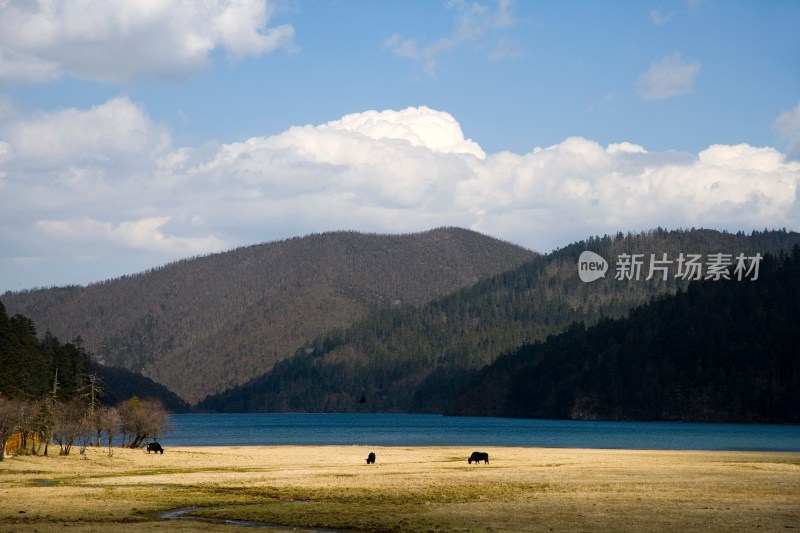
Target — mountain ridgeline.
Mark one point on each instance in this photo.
(443, 321)
(423, 358)
(723, 350)
(202, 325)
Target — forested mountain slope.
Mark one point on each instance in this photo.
(723, 350)
(32, 368)
(28, 365)
(417, 359)
(201, 325)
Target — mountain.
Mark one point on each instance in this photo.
(723, 350)
(119, 384)
(419, 358)
(30, 366)
(202, 325)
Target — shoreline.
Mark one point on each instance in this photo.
(509, 446)
(409, 488)
(281, 429)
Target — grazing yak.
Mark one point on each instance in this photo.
(371, 458)
(155, 448)
(478, 457)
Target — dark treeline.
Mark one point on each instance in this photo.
(28, 366)
(416, 359)
(719, 351)
(52, 391)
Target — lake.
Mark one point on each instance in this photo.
(263, 429)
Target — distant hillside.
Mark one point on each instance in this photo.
(418, 359)
(119, 385)
(205, 324)
(723, 350)
(29, 367)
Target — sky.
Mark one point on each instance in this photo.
(136, 133)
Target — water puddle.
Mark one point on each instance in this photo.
(182, 513)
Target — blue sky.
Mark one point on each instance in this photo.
(136, 134)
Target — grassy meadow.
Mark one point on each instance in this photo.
(324, 488)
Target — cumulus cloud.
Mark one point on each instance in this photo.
(435, 130)
(116, 186)
(668, 78)
(118, 40)
(473, 23)
(108, 131)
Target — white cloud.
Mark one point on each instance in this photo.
(668, 78)
(659, 17)
(117, 40)
(390, 158)
(18, 68)
(400, 47)
(625, 148)
(473, 23)
(144, 234)
(114, 186)
(788, 125)
(421, 126)
(577, 188)
(108, 131)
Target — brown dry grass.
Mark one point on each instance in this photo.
(409, 489)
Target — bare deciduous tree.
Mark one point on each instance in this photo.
(72, 425)
(26, 414)
(141, 420)
(107, 420)
(92, 390)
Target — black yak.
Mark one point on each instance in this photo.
(478, 457)
(371, 458)
(155, 447)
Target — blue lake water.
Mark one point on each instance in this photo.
(436, 430)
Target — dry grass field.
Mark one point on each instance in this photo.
(331, 488)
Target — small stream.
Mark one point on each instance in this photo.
(182, 513)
